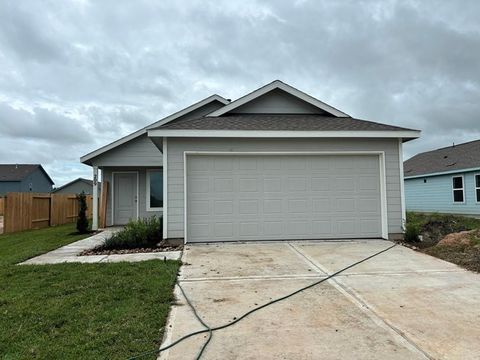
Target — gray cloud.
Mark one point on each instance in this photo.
(105, 69)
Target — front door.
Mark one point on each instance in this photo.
(125, 197)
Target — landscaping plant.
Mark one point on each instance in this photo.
(412, 231)
(142, 233)
(82, 221)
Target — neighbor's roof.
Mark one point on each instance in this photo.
(18, 172)
(287, 122)
(447, 159)
(86, 181)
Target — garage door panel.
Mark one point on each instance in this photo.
(248, 207)
(247, 184)
(272, 184)
(274, 197)
(222, 207)
(272, 206)
(299, 228)
(320, 183)
(223, 185)
(321, 205)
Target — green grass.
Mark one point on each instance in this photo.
(20, 246)
(71, 311)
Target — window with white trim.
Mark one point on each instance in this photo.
(154, 189)
(458, 189)
(477, 187)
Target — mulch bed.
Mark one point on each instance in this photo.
(100, 250)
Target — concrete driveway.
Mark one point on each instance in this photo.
(399, 305)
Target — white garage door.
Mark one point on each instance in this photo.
(275, 197)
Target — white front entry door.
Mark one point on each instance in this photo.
(125, 197)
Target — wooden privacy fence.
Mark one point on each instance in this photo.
(2, 202)
(24, 211)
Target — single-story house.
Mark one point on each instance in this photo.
(24, 178)
(75, 187)
(445, 180)
(275, 164)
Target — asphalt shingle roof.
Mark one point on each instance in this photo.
(297, 122)
(16, 172)
(458, 157)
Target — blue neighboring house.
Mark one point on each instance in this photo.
(24, 178)
(445, 180)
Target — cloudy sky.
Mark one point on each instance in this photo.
(75, 75)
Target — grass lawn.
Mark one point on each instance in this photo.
(434, 227)
(72, 311)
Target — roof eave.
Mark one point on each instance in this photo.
(85, 159)
(403, 134)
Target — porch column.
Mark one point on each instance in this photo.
(95, 199)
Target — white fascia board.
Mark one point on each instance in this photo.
(144, 130)
(283, 134)
(277, 84)
(442, 173)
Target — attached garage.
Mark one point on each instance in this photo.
(256, 196)
(278, 164)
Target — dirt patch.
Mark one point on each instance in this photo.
(458, 238)
(466, 256)
(436, 229)
(100, 250)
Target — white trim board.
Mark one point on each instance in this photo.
(165, 188)
(407, 134)
(113, 191)
(382, 176)
(402, 185)
(458, 189)
(277, 84)
(144, 130)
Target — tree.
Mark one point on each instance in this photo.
(82, 221)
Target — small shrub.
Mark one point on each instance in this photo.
(82, 221)
(412, 231)
(143, 233)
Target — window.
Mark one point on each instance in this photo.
(154, 190)
(458, 191)
(477, 187)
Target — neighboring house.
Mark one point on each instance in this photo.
(75, 187)
(445, 180)
(24, 178)
(275, 164)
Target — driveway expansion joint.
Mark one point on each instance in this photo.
(352, 295)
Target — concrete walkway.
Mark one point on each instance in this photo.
(69, 253)
(399, 305)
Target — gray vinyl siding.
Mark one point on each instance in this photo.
(142, 192)
(137, 152)
(277, 102)
(39, 182)
(76, 188)
(175, 168)
(10, 186)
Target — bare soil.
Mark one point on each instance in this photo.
(452, 238)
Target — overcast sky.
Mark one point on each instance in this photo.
(75, 75)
